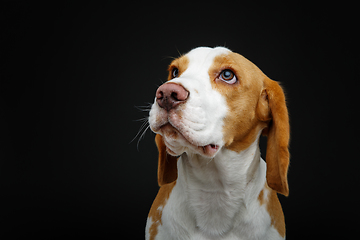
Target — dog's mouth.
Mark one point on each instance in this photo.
(173, 138)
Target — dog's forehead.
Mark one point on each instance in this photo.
(202, 58)
(204, 54)
(195, 65)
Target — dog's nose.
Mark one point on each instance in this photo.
(169, 95)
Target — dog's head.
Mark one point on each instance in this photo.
(216, 99)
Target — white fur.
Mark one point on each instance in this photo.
(202, 115)
(214, 197)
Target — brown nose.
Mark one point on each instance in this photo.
(169, 95)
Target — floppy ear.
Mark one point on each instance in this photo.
(278, 135)
(167, 164)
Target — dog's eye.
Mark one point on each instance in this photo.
(175, 73)
(228, 76)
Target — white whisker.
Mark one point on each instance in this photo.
(144, 108)
(142, 136)
(142, 119)
(142, 127)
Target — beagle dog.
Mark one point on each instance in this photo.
(208, 118)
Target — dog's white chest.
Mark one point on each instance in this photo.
(201, 214)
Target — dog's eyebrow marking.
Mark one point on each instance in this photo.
(181, 63)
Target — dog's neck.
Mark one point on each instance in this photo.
(219, 189)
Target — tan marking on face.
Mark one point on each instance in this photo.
(241, 124)
(157, 208)
(274, 209)
(180, 63)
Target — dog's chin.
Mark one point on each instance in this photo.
(176, 144)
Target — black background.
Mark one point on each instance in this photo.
(72, 73)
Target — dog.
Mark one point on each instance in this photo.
(208, 118)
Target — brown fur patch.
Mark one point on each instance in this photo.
(255, 103)
(180, 63)
(277, 152)
(167, 164)
(157, 207)
(241, 125)
(274, 209)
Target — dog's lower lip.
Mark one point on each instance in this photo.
(210, 149)
(213, 146)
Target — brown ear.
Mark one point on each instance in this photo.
(167, 164)
(278, 135)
